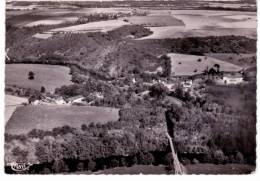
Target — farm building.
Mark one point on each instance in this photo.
(187, 84)
(232, 78)
(229, 78)
(75, 99)
(60, 101)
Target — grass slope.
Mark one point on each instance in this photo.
(27, 118)
(189, 64)
(244, 60)
(49, 76)
(156, 20)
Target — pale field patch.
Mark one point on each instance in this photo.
(51, 21)
(11, 102)
(45, 117)
(49, 76)
(183, 64)
(155, 20)
(207, 23)
(93, 26)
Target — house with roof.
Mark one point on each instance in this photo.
(232, 78)
(187, 83)
(229, 78)
(60, 101)
(75, 99)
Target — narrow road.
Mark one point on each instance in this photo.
(178, 167)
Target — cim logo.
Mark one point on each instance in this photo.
(18, 167)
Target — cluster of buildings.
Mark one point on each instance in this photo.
(59, 101)
(75, 100)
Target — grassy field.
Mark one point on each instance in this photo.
(156, 20)
(49, 76)
(191, 169)
(189, 64)
(11, 102)
(93, 26)
(240, 98)
(100, 26)
(52, 21)
(244, 60)
(27, 118)
(207, 23)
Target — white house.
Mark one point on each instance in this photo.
(187, 84)
(60, 101)
(232, 78)
(76, 99)
(36, 102)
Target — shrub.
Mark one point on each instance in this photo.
(114, 163)
(31, 75)
(84, 127)
(185, 161)
(219, 157)
(239, 158)
(60, 166)
(80, 166)
(45, 171)
(43, 90)
(91, 165)
(146, 158)
(168, 160)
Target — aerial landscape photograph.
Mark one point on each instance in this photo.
(129, 87)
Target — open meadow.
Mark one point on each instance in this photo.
(155, 20)
(192, 64)
(27, 118)
(244, 60)
(93, 26)
(49, 76)
(206, 23)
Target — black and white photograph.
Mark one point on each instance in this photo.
(130, 87)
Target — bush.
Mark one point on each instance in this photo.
(185, 161)
(80, 166)
(60, 166)
(43, 90)
(31, 75)
(239, 158)
(195, 161)
(158, 90)
(146, 158)
(168, 160)
(91, 165)
(219, 157)
(84, 127)
(114, 163)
